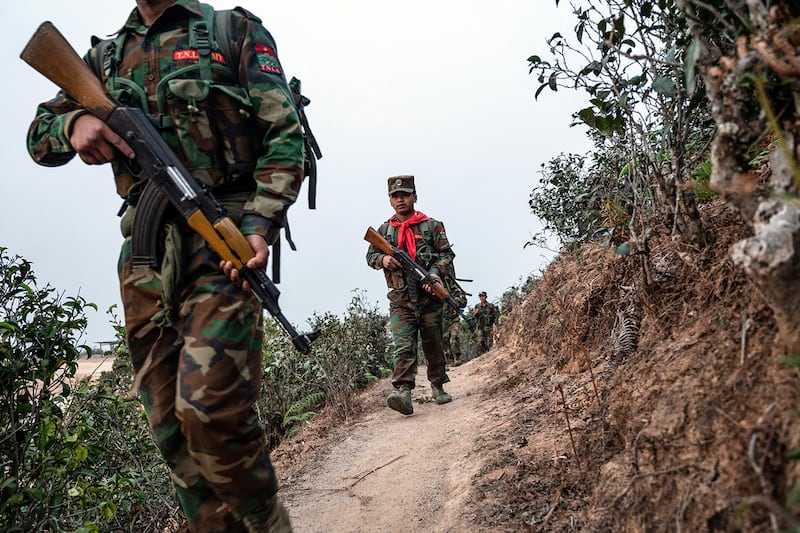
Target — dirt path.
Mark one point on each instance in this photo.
(389, 472)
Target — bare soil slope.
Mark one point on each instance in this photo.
(560, 429)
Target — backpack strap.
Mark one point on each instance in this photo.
(221, 33)
(108, 56)
(424, 228)
(201, 32)
(391, 234)
(312, 149)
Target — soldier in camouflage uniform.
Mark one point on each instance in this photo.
(451, 322)
(193, 333)
(413, 311)
(486, 315)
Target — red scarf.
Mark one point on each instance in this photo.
(405, 236)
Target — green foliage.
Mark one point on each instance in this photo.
(628, 56)
(301, 412)
(579, 201)
(566, 201)
(39, 332)
(355, 352)
(701, 175)
(793, 500)
(76, 455)
(351, 353)
(517, 293)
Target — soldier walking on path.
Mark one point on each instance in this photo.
(486, 315)
(451, 323)
(413, 311)
(194, 335)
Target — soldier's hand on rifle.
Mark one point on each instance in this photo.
(95, 142)
(258, 261)
(390, 263)
(427, 286)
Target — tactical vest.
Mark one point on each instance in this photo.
(209, 36)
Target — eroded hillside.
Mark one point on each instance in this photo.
(609, 404)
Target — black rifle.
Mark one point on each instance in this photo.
(167, 179)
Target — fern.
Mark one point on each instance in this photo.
(301, 412)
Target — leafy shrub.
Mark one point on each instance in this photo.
(567, 201)
(701, 175)
(516, 293)
(581, 198)
(39, 332)
(76, 455)
(350, 354)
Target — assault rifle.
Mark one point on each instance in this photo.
(167, 179)
(412, 267)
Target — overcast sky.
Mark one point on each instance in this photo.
(436, 88)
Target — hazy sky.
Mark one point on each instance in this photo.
(436, 88)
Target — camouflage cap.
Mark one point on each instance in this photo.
(482, 293)
(403, 183)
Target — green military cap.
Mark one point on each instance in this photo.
(402, 184)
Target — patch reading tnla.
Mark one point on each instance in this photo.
(267, 61)
(194, 55)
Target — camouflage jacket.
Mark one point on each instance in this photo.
(433, 252)
(234, 132)
(486, 315)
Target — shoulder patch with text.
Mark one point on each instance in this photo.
(194, 55)
(267, 61)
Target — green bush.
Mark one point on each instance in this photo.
(701, 176)
(39, 349)
(76, 455)
(350, 353)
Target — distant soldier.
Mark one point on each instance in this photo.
(451, 321)
(486, 315)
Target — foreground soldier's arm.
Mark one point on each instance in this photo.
(55, 138)
(279, 169)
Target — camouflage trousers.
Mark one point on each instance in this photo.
(197, 361)
(450, 340)
(408, 321)
(484, 338)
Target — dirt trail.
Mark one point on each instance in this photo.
(688, 432)
(390, 472)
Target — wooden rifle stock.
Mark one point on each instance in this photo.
(52, 56)
(377, 240)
